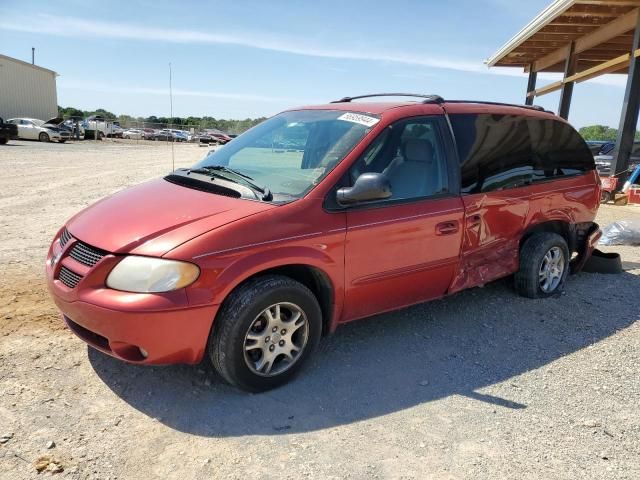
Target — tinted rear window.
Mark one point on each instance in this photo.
(509, 151)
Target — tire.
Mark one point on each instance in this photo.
(100, 135)
(3, 140)
(44, 137)
(538, 251)
(605, 196)
(243, 315)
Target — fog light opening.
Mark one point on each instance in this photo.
(143, 352)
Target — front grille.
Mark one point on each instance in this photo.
(65, 237)
(69, 278)
(86, 254)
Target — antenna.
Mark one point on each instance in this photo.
(173, 156)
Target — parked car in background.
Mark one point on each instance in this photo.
(148, 133)
(8, 131)
(169, 135)
(72, 125)
(605, 160)
(252, 255)
(205, 139)
(221, 137)
(133, 134)
(116, 131)
(181, 135)
(34, 129)
(595, 146)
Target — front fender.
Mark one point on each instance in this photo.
(222, 274)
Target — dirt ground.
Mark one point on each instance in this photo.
(483, 384)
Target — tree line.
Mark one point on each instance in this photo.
(602, 133)
(229, 126)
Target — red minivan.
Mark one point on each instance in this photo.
(323, 215)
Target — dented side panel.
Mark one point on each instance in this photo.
(493, 226)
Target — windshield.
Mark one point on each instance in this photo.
(290, 153)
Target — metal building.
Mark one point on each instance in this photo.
(583, 39)
(27, 90)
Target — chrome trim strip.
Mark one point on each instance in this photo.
(267, 242)
(429, 214)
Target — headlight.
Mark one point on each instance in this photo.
(151, 275)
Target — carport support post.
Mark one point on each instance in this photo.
(567, 89)
(531, 85)
(629, 116)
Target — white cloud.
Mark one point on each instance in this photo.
(74, 27)
(177, 92)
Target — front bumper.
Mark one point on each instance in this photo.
(59, 135)
(135, 327)
(166, 337)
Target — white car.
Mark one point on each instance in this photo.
(34, 129)
(133, 134)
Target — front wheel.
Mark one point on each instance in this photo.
(43, 137)
(265, 332)
(544, 265)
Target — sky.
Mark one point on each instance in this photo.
(250, 58)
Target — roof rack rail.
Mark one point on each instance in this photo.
(426, 98)
(501, 104)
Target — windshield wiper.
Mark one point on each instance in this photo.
(246, 179)
(229, 169)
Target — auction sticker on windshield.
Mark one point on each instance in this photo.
(358, 118)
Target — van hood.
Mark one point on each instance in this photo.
(155, 217)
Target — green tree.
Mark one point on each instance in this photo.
(68, 112)
(599, 132)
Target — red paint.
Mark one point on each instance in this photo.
(375, 259)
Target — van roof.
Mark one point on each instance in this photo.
(452, 106)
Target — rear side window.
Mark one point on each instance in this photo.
(495, 151)
(509, 151)
(559, 150)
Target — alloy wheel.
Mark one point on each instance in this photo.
(551, 270)
(276, 339)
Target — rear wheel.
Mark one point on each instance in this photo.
(605, 196)
(544, 265)
(265, 332)
(3, 140)
(43, 137)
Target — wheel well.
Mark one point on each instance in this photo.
(314, 279)
(555, 226)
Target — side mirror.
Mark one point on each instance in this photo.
(368, 187)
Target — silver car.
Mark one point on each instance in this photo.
(34, 129)
(604, 161)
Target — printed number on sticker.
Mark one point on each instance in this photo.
(358, 118)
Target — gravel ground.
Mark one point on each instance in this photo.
(483, 384)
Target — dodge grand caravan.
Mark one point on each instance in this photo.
(320, 216)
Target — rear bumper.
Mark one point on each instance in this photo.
(166, 337)
(587, 248)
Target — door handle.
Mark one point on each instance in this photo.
(447, 228)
